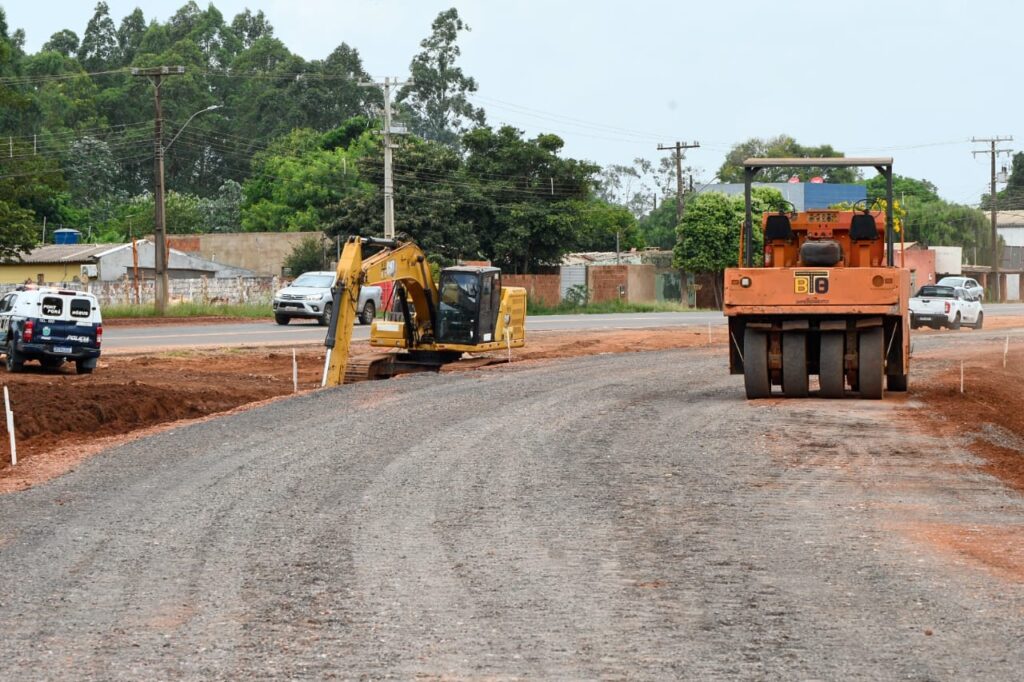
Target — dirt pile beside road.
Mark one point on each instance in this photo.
(988, 411)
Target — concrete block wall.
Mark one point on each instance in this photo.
(543, 289)
(255, 290)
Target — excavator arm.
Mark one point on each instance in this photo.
(400, 262)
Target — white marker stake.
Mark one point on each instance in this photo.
(327, 363)
(961, 376)
(10, 426)
(295, 373)
(1006, 349)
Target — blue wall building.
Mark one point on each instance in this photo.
(803, 195)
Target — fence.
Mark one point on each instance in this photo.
(256, 290)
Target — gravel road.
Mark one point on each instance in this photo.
(618, 516)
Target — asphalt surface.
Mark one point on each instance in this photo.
(617, 516)
(118, 338)
(264, 332)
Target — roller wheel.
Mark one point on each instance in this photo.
(831, 372)
(871, 368)
(755, 364)
(794, 364)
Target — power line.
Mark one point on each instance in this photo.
(993, 152)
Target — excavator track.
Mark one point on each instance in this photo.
(368, 368)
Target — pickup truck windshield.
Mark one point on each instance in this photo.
(936, 292)
(319, 281)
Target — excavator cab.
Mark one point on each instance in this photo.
(470, 297)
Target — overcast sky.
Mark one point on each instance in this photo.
(904, 78)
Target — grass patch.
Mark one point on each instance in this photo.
(570, 308)
(248, 310)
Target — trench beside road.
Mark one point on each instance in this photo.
(626, 516)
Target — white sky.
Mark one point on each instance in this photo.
(913, 79)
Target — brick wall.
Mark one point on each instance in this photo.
(543, 289)
(603, 282)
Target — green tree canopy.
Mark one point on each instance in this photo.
(709, 235)
(437, 103)
(782, 146)
(306, 256)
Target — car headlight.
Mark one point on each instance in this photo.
(314, 297)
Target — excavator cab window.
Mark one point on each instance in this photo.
(459, 308)
(468, 307)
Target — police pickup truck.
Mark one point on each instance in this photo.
(52, 326)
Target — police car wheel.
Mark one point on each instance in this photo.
(15, 363)
(83, 367)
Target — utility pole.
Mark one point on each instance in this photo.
(993, 152)
(387, 86)
(156, 75)
(678, 148)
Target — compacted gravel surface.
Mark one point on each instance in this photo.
(618, 516)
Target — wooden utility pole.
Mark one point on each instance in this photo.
(997, 293)
(386, 87)
(156, 74)
(678, 148)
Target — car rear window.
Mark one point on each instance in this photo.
(52, 306)
(937, 292)
(80, 307)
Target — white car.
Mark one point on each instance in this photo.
(974, 290)
(309, 296)
(938, 306)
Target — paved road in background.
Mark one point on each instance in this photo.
(613, 517)
(262, 332)
(235, 334)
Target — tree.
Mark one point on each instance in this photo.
(18, 232)
(224, 213)
(709, 236)
(437, 103)
(129, 36)
(295, 182)
(1012, 197)
(305, 256)
(782, 146)
(606, 227)
(98, 49)
(63, 42)
(528, 208)
(251, 27)
(658, 228)
(909, 191)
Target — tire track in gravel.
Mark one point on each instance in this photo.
(612, 516)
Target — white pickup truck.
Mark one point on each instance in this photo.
(309, 296)
(938, 306)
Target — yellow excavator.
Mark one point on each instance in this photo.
(466, 311)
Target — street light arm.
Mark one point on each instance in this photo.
(189, 120)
